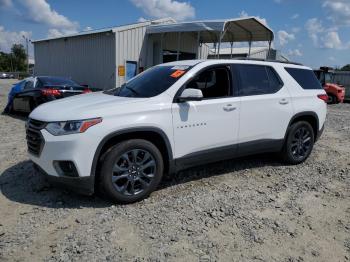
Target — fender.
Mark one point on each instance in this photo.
(301, 114)
(127, 131)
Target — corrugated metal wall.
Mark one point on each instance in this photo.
(134, 45)
(343, 78)
(130, 47)
(88, 59)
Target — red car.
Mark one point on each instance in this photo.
(335, 92)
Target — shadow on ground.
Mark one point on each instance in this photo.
(22, 183)
(19, 116)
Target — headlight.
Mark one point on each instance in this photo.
(71, 127)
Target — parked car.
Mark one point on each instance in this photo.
(335, 92)
(174, 116)
(33, 91)
(4, 76)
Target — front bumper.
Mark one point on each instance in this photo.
(80, 185)
(341, 96)
(77, 149)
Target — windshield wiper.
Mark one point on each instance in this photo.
(131, 89)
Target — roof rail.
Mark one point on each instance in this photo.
(266, 60)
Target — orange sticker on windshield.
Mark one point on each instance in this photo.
(177, 73)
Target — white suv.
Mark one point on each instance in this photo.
(174, 116)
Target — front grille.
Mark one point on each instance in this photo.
(35, 141)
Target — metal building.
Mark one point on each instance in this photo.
(92, 57)
(109, 57)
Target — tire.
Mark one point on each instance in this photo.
(332, 99)
(126, 180)
(32, 104)
(8, 110)
(299, 143)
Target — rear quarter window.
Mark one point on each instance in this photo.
(305, 78)
(257, 80)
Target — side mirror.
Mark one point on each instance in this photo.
(190, 94)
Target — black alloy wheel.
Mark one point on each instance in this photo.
(131, 170)
(299, 143)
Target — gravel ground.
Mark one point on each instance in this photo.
(250, 209)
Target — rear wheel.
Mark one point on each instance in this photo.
(131, 170)
(332, 99)
(299, 143)
(32, 104)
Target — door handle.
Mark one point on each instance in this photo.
(284, 101)
(229, 108)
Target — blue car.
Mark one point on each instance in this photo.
(16, 89)
(33, 91)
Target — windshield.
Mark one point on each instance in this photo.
(57, 81)
(152, 82)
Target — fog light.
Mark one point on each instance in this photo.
(65, 168)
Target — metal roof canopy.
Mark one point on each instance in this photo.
(248, 29)
(233, 30)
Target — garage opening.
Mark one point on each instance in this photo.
(170, 56)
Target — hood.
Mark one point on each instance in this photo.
(335, 86)
(83, 106)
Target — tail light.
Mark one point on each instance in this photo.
(87, 90)
(50, 92)
(323, 97)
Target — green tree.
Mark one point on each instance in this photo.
(16, 60)
(346, 68)
(19, 57)
(5, 62)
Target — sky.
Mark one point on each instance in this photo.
(313, 32)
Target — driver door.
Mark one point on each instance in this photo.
(206, 129)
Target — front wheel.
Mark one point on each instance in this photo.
(131, 171)
(299, 143)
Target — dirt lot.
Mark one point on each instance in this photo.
(251, 209)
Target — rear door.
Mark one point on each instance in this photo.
(266, 107)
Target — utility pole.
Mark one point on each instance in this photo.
(27, 42)
(11, 62)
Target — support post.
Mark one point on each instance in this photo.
(199, 46)
(27, 52)
(178, 46)
(161, 49)
(268, 53)
(250, 48)
(220, 37)
(231, 50)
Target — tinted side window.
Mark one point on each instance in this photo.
(214, 83)
(29, 85)
(305, 78)
(39, 84)
(257, 80)
(274, 80)
(22, 84)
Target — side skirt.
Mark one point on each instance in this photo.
(227, 152)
